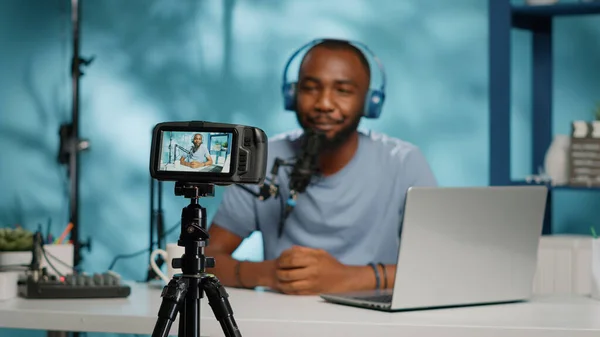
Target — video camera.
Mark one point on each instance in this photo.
(198, 155)
(209, 153)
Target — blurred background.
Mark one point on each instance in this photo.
(222, 61)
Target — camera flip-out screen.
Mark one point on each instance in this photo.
(205, 152)
(196, 151)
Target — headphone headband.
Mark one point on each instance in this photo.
(375, 97)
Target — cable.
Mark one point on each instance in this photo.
(281, 209)
(140, 252)
(50, 263)
(58, 260)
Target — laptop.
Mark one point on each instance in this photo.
(462, 246)
(211, 168)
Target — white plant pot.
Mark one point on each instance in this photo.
(15, 258)
(556, 162)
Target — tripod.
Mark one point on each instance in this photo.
(183, 293)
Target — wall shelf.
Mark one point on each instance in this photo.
(566, 9)
(558, 187)
(503, 17)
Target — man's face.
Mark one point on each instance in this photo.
(332, 86)
(197, 140)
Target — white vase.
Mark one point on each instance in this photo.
(556, 162)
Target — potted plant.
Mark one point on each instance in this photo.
(224, 145)
(15, 246)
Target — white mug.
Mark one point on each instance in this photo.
(173, 251)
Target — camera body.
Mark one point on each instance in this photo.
(207, 152)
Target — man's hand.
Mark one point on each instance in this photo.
(182, 161)
(196, 164)
(309, 271)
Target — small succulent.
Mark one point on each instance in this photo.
(597, 111)
(15, 239)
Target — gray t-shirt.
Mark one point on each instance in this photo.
(201, 154)
(355, 214)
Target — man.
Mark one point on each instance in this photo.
(349, 217)
(200, 156)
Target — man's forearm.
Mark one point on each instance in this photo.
(250, 274)
(363, 277)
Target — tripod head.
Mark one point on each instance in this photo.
(194, 234)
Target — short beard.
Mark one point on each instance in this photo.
(332, 144)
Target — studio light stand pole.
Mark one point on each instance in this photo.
(70, 144)
(157, 226)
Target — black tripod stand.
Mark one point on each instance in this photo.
(183, 293)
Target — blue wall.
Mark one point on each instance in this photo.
(164, 60)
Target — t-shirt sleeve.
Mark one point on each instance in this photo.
(237, 211)
(206, 153)
(417, 170)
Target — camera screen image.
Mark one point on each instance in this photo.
(184, 151)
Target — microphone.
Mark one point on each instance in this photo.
(306, 165)
(307, 162)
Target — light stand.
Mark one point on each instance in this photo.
(70, 144)
(183, 293)
(157, 225)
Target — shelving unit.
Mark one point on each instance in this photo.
(503, 17)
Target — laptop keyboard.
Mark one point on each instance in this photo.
(385, 298)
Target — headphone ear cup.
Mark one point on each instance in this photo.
(374, 104)
(289, 96)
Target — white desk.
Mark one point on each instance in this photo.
(268, 314)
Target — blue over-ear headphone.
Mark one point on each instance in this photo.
(374, 99)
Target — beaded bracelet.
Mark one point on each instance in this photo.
(376, 271)
(237, 274)
(385, 283)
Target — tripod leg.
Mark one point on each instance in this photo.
(219, 302)
(173, 296)
(189, 318)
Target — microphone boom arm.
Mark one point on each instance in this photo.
(183, 149)
(269, 188)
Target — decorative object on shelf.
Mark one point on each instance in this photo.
(595, 128)
(580, 129)
(556, 161)
(585, 129)
(15, 239)
(597, 111)
(540, 178)
(585, 154)
(15, 247)
(540, 2)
